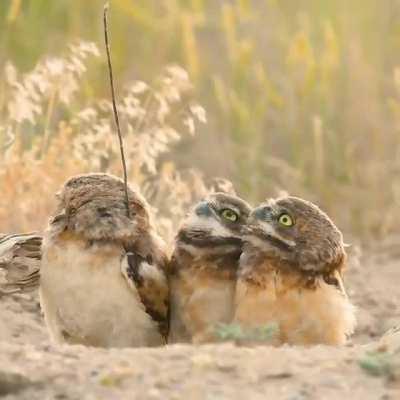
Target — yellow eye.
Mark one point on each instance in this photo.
(230, 215)
(286, 220)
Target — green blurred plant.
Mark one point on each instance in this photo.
(381, 363)
(235, 332)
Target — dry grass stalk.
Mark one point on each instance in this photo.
(154, 116)
(114, 104)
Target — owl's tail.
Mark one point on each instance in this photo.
(20, 257)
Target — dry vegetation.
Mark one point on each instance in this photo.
(33, 167)
(301, 96)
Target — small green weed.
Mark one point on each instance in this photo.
(235, 332)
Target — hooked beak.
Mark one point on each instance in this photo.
(260, 224)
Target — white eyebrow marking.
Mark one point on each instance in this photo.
(269, 230)
(211, 224)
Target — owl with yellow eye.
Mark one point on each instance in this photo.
(290, 274)
(203, 268)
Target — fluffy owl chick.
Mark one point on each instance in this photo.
(203, 267)
(102, 277)
(290, 274)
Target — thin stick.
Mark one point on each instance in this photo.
(121, 144)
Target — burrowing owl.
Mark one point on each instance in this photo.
(290, 274)
(203, 267)
(20, 260)
(102, 278)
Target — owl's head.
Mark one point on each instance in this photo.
(215, 224)
(297, 233)
(93, 205)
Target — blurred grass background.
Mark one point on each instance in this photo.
(302, 95)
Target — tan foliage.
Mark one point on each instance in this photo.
(33, 167)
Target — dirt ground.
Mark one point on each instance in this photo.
(31, 368)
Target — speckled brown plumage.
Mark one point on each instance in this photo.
(290, 274)
(203, 268)
(20, 257)
(103, 277)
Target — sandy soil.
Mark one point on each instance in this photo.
(31, 368)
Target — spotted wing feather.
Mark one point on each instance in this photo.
(149, 280)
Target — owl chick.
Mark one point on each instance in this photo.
(102, 277)
(203, 267)
(20, 262)
(290, 274)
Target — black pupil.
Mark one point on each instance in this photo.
(230, 214)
